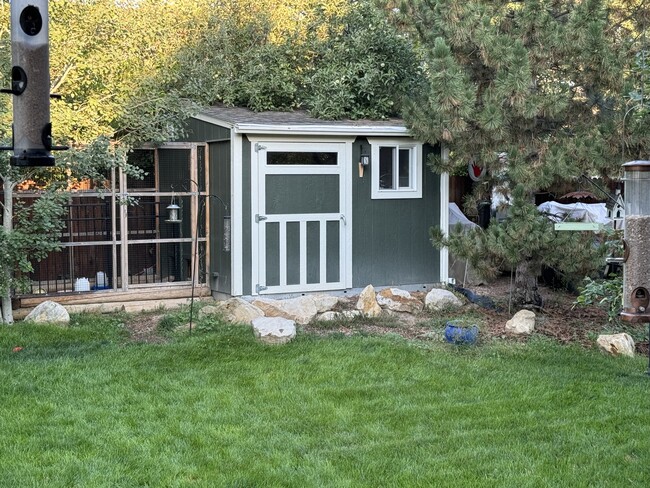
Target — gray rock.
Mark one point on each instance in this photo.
(523, 322)
(274, 330)
(233, 310)
(344, 315)
(49, 312)
(399, 301)
(367, 302)
(616, 344)
(439, 299)
(329, 316)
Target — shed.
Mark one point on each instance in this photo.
(294, 209)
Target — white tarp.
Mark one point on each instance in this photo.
(580, 212)
(456, 216)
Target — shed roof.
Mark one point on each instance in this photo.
(299, 122)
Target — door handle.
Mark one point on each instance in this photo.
(345, 222)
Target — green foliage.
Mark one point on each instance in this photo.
(534, 92)
(606, 293)
(526, 236)
(543, 82)
(364, 69)
(353, 65)
(37, 225)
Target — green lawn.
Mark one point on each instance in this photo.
(84, 407)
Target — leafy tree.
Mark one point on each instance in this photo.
(364, 68)
(339, 62)
(535, 92)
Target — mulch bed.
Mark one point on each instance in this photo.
(559, 319)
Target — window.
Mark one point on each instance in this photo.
(396, 169)
(319, 158)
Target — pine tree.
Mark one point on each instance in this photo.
(534, 91)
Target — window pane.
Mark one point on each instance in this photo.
(386, 168)
(326, 158)
(405, 168)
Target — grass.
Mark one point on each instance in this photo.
(84, 407)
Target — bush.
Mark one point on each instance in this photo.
(606, 293)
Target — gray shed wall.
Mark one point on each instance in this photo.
(390, 238)
(200, 131)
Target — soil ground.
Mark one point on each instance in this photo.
(559, 319)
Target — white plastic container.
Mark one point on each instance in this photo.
(82, 284)
(100, 280)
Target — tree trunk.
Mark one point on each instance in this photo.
(525, 293)
(6, 313)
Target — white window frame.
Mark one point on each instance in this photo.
(415, 169)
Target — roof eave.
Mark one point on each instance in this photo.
(213, 120)
(308, 130)
(324, 130)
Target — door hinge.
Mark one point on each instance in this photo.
(259, 147)
(259, 218)
(259, 288)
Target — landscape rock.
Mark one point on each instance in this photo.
(616, 344)
(344, 315)
(233, 310)
(302, 310)
(439, 299)
(399, 301)
(367, 302)
(523, 322)
(324, 303)
(49, 312)
(274, 330)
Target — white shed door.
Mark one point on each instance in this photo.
(302, 217)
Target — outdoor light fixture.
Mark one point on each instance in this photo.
(364, 160)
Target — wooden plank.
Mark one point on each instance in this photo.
(112, 307)
(108, 296)
(579, 226)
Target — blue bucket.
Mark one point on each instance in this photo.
(456, 334)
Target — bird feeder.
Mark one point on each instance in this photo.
(30, 85)
(636, 243)
(172, 214)
(636, 270)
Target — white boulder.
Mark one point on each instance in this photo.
(523, 322)
(616, 344)
(324, 303)
(233, 310)
(301, 310)
(49, 312)
(274, 330)
(439, 299)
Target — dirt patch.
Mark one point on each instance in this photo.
(559, 318)
(144, 328)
